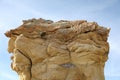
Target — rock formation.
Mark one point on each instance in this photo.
(63, 50)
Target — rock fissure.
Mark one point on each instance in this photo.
(29, 61)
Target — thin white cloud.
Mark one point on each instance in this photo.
(102, 4)
(23, 8)
(8, 76)
(114, 46)
(112, 65)
(112, 74)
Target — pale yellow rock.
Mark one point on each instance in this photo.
(11, 44)
(63, 50)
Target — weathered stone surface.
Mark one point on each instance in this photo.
(63, 50)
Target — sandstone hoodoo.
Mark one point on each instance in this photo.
(63, 50)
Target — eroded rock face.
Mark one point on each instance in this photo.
(63, 50)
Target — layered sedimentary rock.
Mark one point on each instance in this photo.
(63, 50)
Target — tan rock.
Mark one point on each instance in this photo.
(63, 50)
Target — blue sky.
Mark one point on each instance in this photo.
(104, 12)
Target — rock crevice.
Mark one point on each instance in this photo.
(63, 50)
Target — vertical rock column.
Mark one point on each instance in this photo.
(63, 50)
